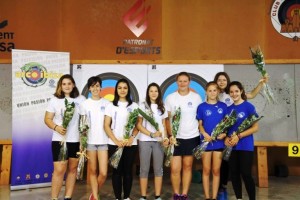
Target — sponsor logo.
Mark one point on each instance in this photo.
(285, 17)
(6, 38)
(136, 18)
(34, 74)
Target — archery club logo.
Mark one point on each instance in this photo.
(285, 17)
(33, 74)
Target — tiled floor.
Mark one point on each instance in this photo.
(279, 188)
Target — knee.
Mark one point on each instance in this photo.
(158, 172)
(206, 171)
(216, 172)
(102, 175)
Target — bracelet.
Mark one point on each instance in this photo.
(54, 127)
(151, 135)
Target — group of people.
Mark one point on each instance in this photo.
(107, 122)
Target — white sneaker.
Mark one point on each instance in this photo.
(127, 198)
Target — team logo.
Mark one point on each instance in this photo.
(285, 17)
(197, 85)
(220, 110)
(109, 81)
(136, 18)
(33, 74)
(207, 112)
(241, 115)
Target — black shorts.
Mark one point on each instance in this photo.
(73, 148)
(185, 146)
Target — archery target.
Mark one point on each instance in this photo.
(165, 76)
(110, 74)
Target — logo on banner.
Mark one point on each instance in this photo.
(285, 17)
(6, 37)
(35, 74)
(136, 18)
(197, 85)
(109, 81)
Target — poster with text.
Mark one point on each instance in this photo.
(34, 78)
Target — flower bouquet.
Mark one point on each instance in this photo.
(247, 123)
(83, 130)
(221, 127)
(132, 118)
(175, 126)
(258, 59)
(67, 117)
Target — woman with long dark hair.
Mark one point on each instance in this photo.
(116, 115)
(150, 141)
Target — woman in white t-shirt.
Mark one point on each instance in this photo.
(150, 141)
(93, 110)
(116, 115)
(66, 89)
(187, 136)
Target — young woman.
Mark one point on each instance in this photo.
(116, 115)
(223, 80)
(97, 150)
(66, 89)
(209, 114)
(241, 158)
(150, 141)
(187, 136)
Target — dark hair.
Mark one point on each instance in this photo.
(158, 101)
(183, 74)
(93, 81)
(211, 83)
(117, 97)
(59, 93)
(227, 78)
(240, 86)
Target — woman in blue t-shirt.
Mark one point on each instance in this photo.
(209, 114)
(241, 159)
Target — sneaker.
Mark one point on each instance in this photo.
(158, 198)
(127, 198)
(176, 197)
(184, 197)
(91, 197)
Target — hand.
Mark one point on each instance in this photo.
(129, 142)
(221, 136)
(61, 130)
(157, 134)
(265, 79)
(119, 143)
(165, 142)
(172, 140)
(234, 139)
(207, 137)
(227, 141)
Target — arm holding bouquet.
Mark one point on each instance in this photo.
(48, 119)
(235, 138)
(207, 136)
(258, 88)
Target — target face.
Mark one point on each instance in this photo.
(34, 74)
(109, 81)
(197, 85)
(285, 16)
